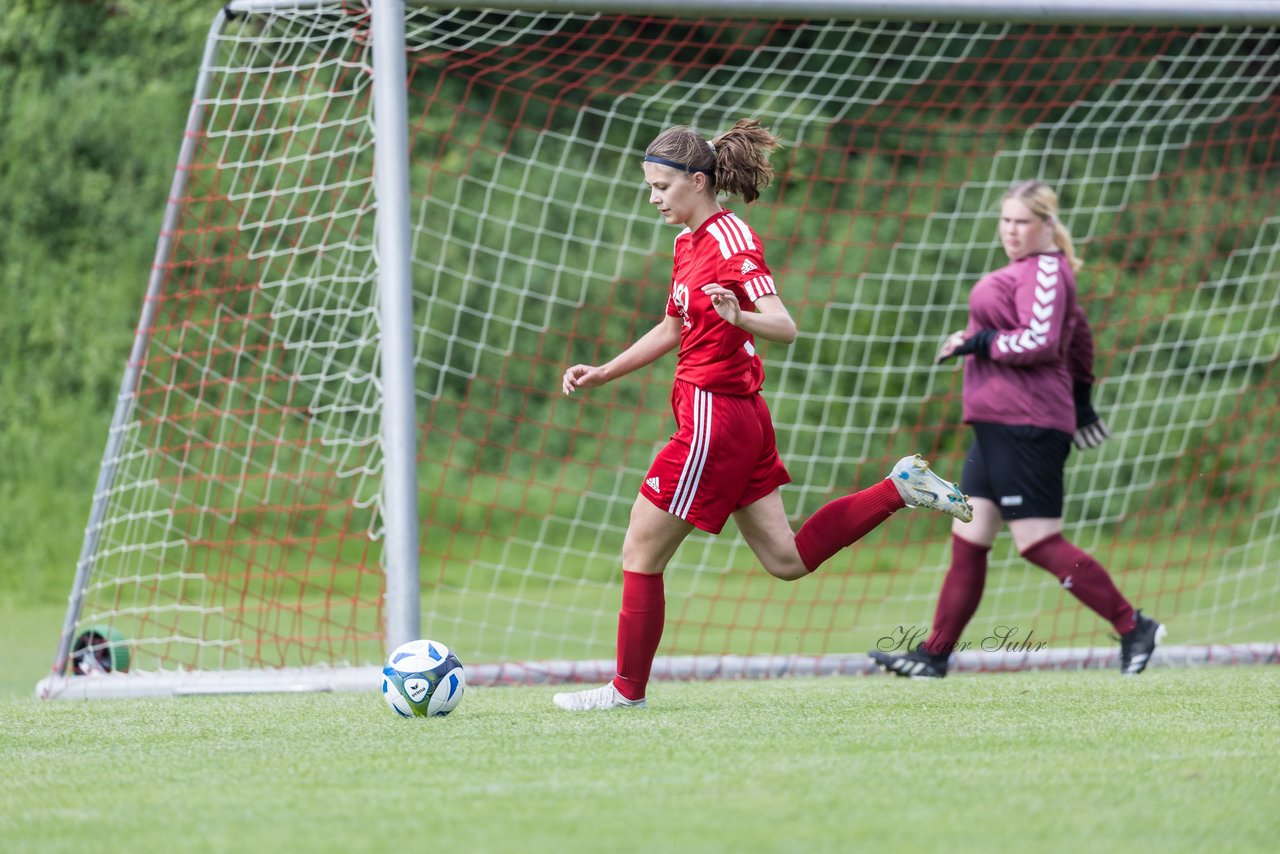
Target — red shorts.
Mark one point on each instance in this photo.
(722, 457)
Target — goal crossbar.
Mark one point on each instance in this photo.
(1166, 12)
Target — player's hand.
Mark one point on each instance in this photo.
(724, 302)
(583, 376)
(1090, 429)
(949, 346)
(1091, 435)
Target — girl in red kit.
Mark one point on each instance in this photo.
(1028, 377)
(722, 459)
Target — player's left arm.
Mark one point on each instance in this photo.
(770, 321)
(1091, 430)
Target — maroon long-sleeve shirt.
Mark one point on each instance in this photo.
(1042, 344)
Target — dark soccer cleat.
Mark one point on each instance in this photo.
(1136, 646)
(917, 664)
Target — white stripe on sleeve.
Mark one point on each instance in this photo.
(741, 228)
(725, 249)
(759, 286)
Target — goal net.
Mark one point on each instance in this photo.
(238, 526)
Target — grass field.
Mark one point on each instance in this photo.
(1175, 760)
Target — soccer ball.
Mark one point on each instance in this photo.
(422, 679)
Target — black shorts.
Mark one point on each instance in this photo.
(1019, 468)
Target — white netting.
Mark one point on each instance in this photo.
(242, 525)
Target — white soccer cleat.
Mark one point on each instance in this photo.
(604, 697)
(920, 487)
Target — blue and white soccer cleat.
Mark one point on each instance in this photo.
(920, 487)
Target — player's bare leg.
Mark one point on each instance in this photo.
(764, 526)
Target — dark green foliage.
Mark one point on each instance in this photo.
(93, 99)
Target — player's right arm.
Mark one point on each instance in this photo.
(653, 345)
(1040, 303)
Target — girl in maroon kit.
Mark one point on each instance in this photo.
(722, 459)
(1027, 389)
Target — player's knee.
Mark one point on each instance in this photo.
(785, 569)
(644, 557)
(639, 560)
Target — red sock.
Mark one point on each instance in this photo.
(644, 610)
(960, 595)
(844, 521)
(1085, 578)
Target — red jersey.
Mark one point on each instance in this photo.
(715, 355)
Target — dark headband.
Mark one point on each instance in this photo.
(683, 167)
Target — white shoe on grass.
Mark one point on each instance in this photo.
(604, 697)
(920, 487)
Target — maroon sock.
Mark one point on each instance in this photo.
(639, 631)
(1085, 578)
(961, 592)
(844, 521)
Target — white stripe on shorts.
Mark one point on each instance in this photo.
(699, 447)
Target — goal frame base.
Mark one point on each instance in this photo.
(350, 679)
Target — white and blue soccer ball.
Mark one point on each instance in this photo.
(423, 679)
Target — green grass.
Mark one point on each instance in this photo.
(29, 637)
(1176, 760)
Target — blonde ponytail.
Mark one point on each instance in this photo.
(1062, 239)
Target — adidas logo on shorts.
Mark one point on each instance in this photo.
(652, 483)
